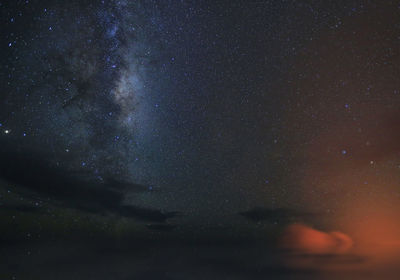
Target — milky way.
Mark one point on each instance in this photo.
(86, 98)
(250, 122)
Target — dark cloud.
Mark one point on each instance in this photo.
(146, 214)
(161, 227)
(36, 175)
(21, 208)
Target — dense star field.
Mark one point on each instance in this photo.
(199, 139)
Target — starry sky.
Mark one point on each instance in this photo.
(245, 114)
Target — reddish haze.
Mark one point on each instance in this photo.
(375, 227)
(345, 140)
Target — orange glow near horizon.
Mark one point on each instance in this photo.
(375, 228)
(345, 142)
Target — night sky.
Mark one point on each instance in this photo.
(270, 129)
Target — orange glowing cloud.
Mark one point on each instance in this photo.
(306, 240)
